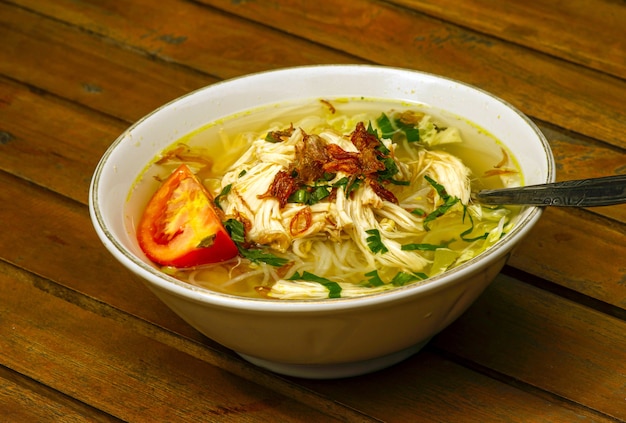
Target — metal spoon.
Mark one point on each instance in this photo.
(592, 192)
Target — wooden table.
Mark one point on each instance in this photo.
(80, 340)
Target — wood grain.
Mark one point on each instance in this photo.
(506, 335)
(198, 37)
(589, 34)
(579, 100)
(425, 383)
(74, 139)
(428, 388)
(57, 343)
(582, 342)
(23, 400)
(567, 95)
(35, 243)
(92, 71)
(578, 251)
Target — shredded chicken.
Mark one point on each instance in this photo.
(364, 202)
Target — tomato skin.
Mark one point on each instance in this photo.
(180, 225)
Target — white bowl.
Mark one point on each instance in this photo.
(330, 338)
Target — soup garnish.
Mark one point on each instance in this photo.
(333, 200)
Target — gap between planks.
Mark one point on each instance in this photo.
(214, 357)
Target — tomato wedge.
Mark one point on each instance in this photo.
(180, 226)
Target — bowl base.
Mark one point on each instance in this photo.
(336, 371)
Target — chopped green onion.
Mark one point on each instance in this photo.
(385, 126)
(448, 200)
(424, 247)
(356, 183)
(342, 182)
(400, 279)
(237, 233)
(464, 234)
(403, 278)
(390, 169)
(309, 195)
(382, 148)
(374, 278)
(236, 230)
(318, 194)
(348, 184)
(412, 133)
(441, 190)
(223, 193)
(299, 196)
(334, 289)
(257, 255)
(328, 176)
(375, 242)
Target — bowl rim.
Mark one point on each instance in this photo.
(161, 281)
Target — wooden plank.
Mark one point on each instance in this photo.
(22, 400)
(588, 33)
(578, 158)
(96, 273)
(38, 218)
(77, 66)
(567, 95)
(51, 142)
(198, 38)
(545, 345)
(578, 251)
(78, 136)
(428, 388)
(545, 341)
(97, 350)
(73, 217)
(219, 44)
(100, 362)
(527, 79)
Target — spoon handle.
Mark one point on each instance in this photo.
(592, 192)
